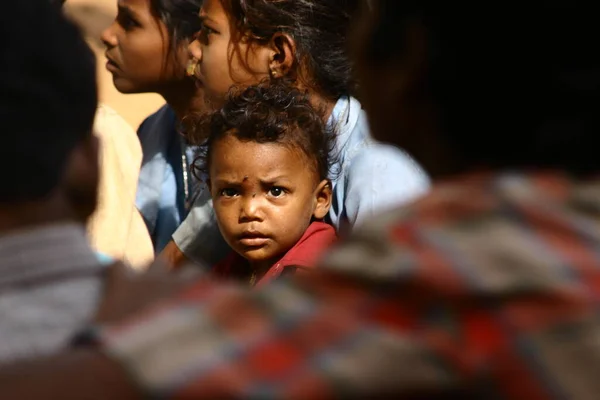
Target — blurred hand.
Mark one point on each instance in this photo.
(128, 292)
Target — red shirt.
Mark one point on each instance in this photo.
(316, 239)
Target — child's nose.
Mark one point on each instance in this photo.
(251, 209)
(108, 37)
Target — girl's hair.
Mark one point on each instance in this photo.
(180, 17)
(269, 113)
(319, 28)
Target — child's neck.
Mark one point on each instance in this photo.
(259, 269)
(185, 99)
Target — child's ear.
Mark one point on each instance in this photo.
(323, 196)
(282, 59)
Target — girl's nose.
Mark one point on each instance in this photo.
(195, 50)
(108, 37)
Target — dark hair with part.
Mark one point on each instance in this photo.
(319, 28)
(268, 113)
(180, 17)
(48, 98)
(512, 89)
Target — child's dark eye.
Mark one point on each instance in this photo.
(229, 192)
(203, 33)
(127, 22)
(276, 191)
(207, 30)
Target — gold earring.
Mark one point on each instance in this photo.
(191, 67)
(273, 74)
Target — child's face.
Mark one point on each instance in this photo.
(264, 196)
(221, 60)
(137, 48)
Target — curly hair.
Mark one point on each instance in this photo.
(268, 113)
(319, 28)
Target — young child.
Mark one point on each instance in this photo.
(241, 43)
(267, 160)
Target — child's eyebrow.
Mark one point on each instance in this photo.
(266, 181)
(128, 11)
(272, 180)
(204, 18)
(226, 182)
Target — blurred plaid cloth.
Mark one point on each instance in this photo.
(486, 288)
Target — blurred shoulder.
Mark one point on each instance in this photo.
(109, 122)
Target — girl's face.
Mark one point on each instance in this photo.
(221, 60)
(137, 49)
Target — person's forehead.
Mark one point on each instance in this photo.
(212, 9)
(134, 5)
(231, 153)
(229, 144)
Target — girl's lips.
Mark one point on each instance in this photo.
(111, 66)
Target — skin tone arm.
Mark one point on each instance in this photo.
(172, 256)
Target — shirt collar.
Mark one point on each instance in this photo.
(344, 118)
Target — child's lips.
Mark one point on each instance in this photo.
(253, 239)
(111, 65)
